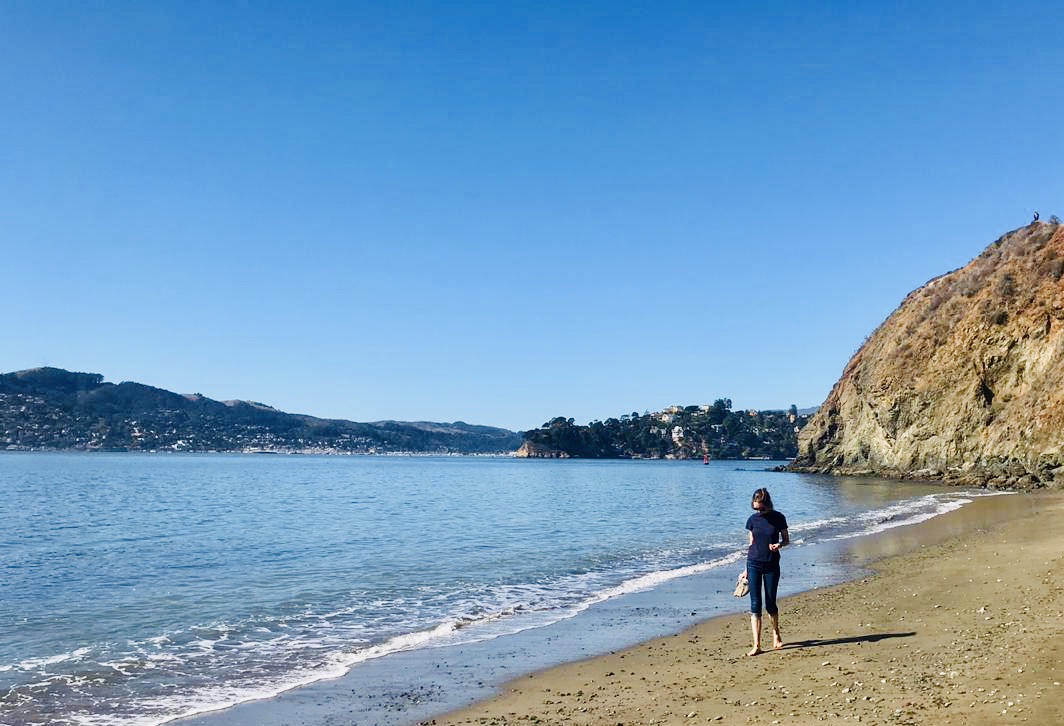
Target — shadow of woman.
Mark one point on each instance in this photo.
(870, 638)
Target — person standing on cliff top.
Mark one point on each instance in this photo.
(767, 530)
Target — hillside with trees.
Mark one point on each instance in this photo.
(54, 409)
(679, 432)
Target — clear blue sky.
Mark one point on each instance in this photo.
(503, 212)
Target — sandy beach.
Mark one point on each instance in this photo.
(965, 627)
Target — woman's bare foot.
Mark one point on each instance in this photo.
(755, 651)
(777, 642)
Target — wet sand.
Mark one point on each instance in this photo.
(965, 626)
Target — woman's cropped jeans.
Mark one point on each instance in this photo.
(765, 574)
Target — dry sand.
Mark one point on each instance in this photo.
(969, 631)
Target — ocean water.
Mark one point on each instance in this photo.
(138, 589)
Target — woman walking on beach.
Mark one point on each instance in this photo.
(767, 530)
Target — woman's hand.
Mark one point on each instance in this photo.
(774, 548)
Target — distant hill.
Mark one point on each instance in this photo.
(50, 408)
(963, 382)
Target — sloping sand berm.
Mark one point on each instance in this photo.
(969, 631)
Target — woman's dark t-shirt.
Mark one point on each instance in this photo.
(766, 527)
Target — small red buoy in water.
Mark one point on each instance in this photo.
(705, 458)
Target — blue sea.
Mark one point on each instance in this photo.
(140, 588)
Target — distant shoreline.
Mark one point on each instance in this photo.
(427, 454)
(170, 452)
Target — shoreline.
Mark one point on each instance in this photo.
(957, 623)
(456, 680)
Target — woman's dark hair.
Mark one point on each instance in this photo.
(763, 497)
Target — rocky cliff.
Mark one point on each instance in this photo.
(532, 450)
(963, 382)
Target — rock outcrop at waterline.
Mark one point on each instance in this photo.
(963, 382)
(532, 450)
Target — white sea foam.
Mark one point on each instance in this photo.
(155, 711)
(656, 579)
(816, 524)
(31, 664)
(901, 515)
(124, 666)
(898, 514)
(45, 683)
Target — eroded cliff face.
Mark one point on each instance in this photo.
(963, 382)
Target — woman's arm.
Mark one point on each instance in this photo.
(785, 540)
